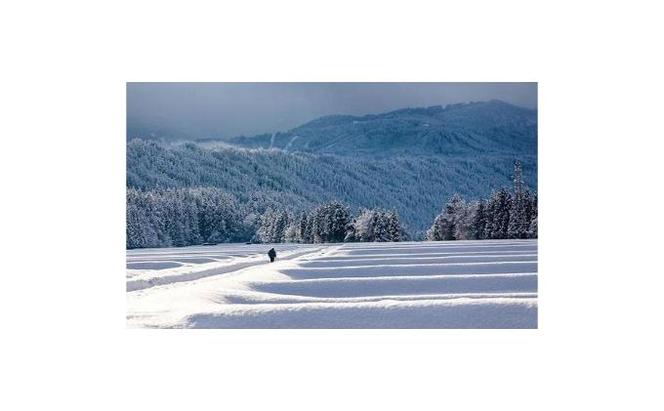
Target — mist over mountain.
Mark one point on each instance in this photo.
(226, 110)
(141, 129)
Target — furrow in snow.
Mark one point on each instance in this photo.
(401, 285)
(457, 313)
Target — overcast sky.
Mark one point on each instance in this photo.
(232, 109)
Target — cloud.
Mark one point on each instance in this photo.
(230, 109)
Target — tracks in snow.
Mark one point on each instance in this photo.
(404, 285)
(465, 284)
(251, 260)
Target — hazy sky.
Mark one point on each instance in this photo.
(232, 109)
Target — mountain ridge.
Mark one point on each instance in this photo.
(465, 128)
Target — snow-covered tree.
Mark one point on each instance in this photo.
(303, 236)
(479, 221)
(363, 226)
(532, 227)
(273, 226)
(498, 214)
(141, 232)
(463, 220)
(375, 225)
(179, 217)
(520, 213)
(448, 224)
(339, 216)
(292, 231)
(330, 222)
(394, 229)
(518, 177)
(503, 215)
(380, 227)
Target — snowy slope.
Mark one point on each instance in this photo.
(463, 284)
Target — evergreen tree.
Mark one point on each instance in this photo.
(319, 227)
(520, 213)
(339, 217)
(350, 232)
(308, 236)
(140, 231)
(532, 227)
(364, 226)
(266, 229)
(479, 221)
(498, 214)
(441, 230)
(393, 226)
(179, 217)
(292, 231)
(380, 227)
(463, 221)
(444, 227)
(302, 227)
(330, 222)
(282, 223)
(518, 177)
(273, 226)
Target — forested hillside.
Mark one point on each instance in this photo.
(415, 186)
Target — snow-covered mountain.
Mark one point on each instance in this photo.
(459, 129)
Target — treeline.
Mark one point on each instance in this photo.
(503, 215)
(180, 217)
(191, 216)
(330, 223)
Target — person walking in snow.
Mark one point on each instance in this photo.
(272, 254)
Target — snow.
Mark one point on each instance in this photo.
(460, 284)
(151, 267)
(290, 143)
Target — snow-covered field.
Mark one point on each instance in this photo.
(460, 284)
